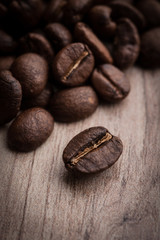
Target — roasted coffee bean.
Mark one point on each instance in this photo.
(6, 62)
(30, 129)
(84, 34)
(42, 100)
(73, 104)
(91, 151)
(110, 83)
(7, 43)
(59, 35)
(55, 10)
(37, 43)
(122, 9)
(32, 72)
(101, 22)
(75, 10)
(126, 45)
(10, 97)
(150, 49)
(151, 11)
(27, 13)
(73, 64)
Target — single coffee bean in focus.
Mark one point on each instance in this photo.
(73, 64)
(91, 151)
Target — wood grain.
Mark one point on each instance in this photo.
(40, 200)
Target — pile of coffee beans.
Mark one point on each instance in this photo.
(60, 58)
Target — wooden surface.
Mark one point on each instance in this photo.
(39, 200)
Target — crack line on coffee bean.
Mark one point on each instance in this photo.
(75, 65)
(76, 159)
(119, 91)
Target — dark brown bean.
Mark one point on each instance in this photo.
(30, 129)
(42, 100)
(37, 43)
(101, 22)
(126, 45)
(7, 43)
(58, 35)
(91, 151)
(150, 49)
(32, 72)
(84, 34)
(122, 9)
(151, 11)
(6, 62)
(73, 104)
(55, 10)
(75, 10)
(10, 97)
(73, 64)
(110, 83)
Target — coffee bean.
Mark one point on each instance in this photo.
(84, 34)
(75, 10)
(150, 49)
(59, 35)
(110, 83)
(7, 43)
(10, 97)
(122, 9)
(32, 72)
(42, 100)
(27, 13)
(30, 129)
(151, 11)
(126, 45)
(6, 62)
(73, 104)
(55, 10)
(73, 64)
(91, 151)
(101, 22)
(37, 43)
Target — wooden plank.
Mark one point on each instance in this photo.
(40, 200)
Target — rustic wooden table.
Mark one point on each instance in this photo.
(39, 200)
